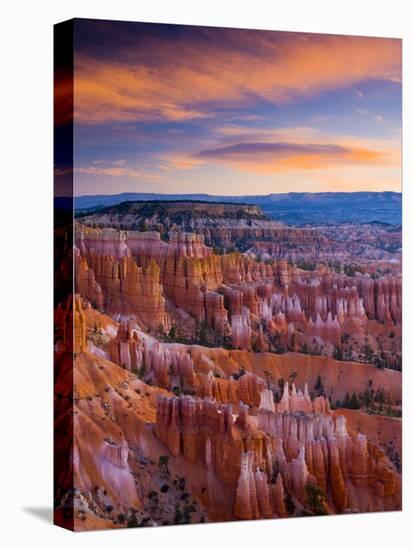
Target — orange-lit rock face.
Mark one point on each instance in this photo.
(279, 451)
(216, 374)
(70, 322)
(116, 284)
(267, 307)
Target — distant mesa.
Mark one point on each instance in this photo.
(292, 208)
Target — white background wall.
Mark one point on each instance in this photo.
(26, 271)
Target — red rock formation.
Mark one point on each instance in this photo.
(86, 283)
(246, 506)
(158, 363)
(72, 326)
(125, 349)
(311, 309)
(185, 424)
(106, 242)
(239, 446)
(278, 497)
(241, 331)
(249, 389)
(298, 447)
(216, 314)
(125, 288)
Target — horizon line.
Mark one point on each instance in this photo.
(231, 195)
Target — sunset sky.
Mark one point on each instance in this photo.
(178, 109)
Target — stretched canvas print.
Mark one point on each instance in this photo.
(227, 274)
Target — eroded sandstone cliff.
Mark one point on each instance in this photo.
(215, 378)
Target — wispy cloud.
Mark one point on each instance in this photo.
(118, 168)
(186, 79)
(359, 93)
(118, 162)
(109, 171)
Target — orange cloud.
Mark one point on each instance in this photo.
(182, 162)
(282, 156)
(185, 79)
